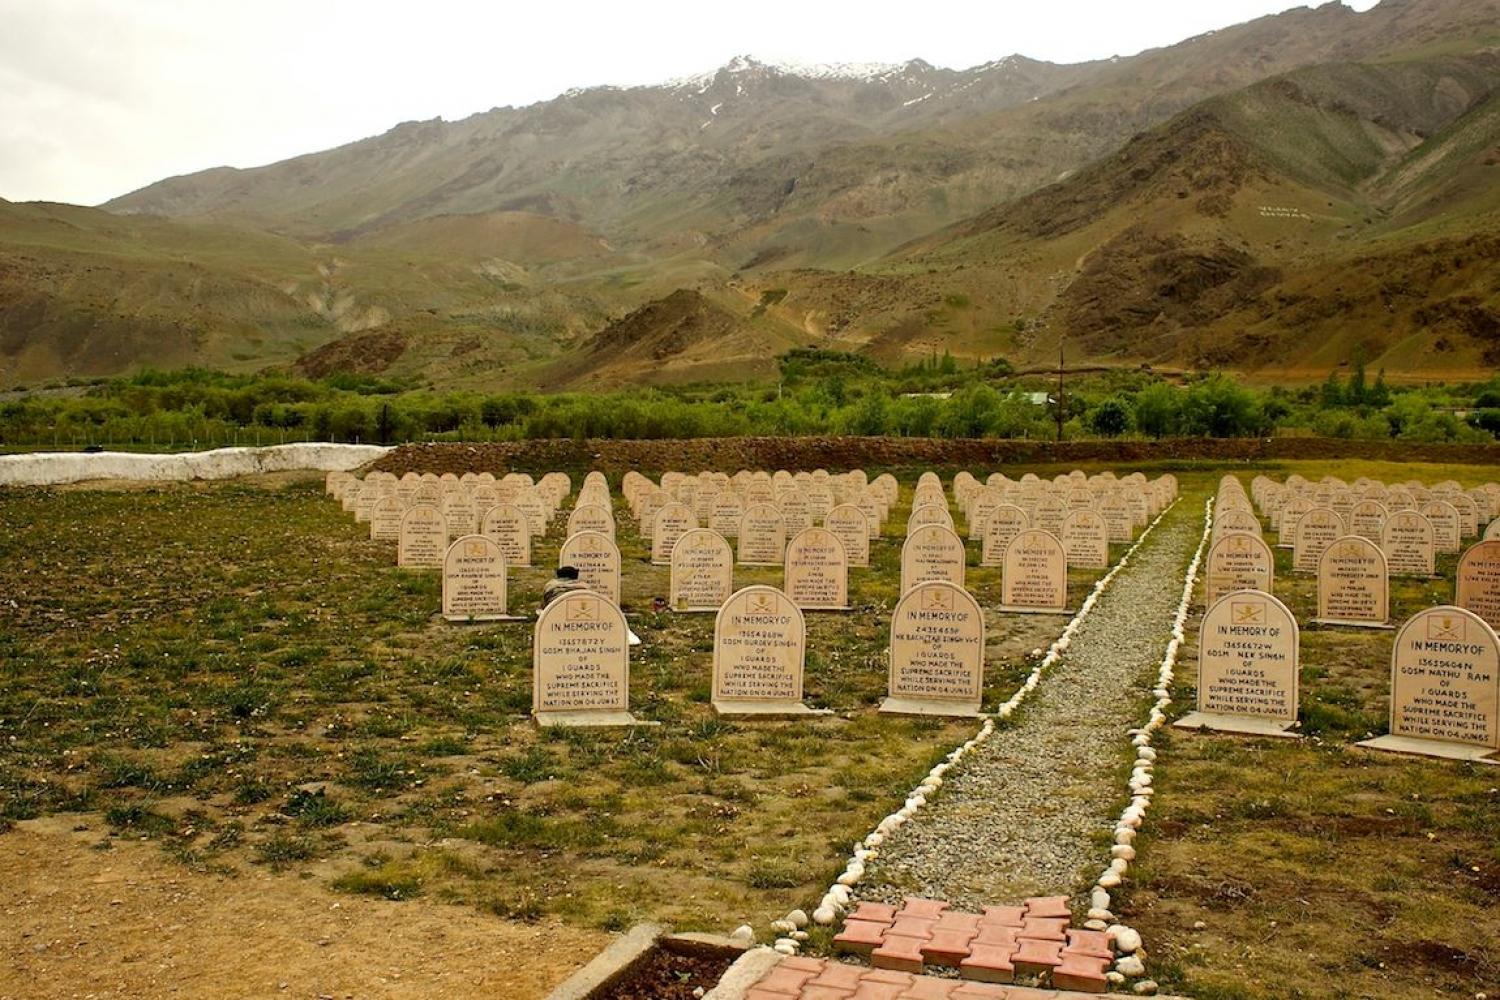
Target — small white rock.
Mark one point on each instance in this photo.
(824, 916)
(1146, 987)
(1126, 939)
(785, 946)
(743, 934)
(1130, 966)
(798, 918)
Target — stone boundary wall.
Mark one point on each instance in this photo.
(54, 468)
(842, 453)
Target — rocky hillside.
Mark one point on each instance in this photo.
(1265, 197)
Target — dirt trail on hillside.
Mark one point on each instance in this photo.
(128, 923)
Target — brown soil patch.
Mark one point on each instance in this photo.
(127, 922)
(668, 976)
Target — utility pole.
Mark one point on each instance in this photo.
(1061, 412)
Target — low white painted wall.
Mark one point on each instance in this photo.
(50, 468)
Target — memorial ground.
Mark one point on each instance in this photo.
(235, 675)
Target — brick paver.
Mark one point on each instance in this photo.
(829, 979)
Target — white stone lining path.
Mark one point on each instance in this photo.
(1024, 814)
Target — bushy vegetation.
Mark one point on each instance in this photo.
(818, 392)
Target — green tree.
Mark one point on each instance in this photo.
(1333, 392)
(1158, 410)
(1110, 418)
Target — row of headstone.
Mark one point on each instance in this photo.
(1085, 512)
(1445, 661)
(581, 660)
(512, 510)
(724, 503)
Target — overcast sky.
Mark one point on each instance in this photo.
(99, 97)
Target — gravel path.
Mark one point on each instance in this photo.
(1030, 810)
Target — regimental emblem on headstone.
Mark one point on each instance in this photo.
(1445, 687)
(581, 663)
(937, 652)
(1247, 666)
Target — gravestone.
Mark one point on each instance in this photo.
(937, 652)
(760, 645)
(1049, 515)
(727, 512)
(458, 512)
(1477, 587)
(1238, 561)
(1085, 538)
(795, 509)
(762, 536)
(932, 552)
(1034, 576)
(511, 530)
(474, 581)
(1367, 519)
(1316, 530)
(385, 519)
(1119, 518)
(1445, 687)
(1408, 543)
(1234, 519)
(851, 526)
(423, 538)
(1447, 527)
(929, 513)
(1247, 667)
(671, 522)
(364, 500)
(591, 517)
(580, 660)
(817, 571)
(1353, 586)
(1005, 522)
(597, 559)
(702, 576)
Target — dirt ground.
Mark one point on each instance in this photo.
(128, 923)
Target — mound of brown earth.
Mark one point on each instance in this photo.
(664, 327)
(357, 354)
(871, 453)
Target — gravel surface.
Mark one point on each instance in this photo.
(1030, 811)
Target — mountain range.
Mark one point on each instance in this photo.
(1273, 198)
